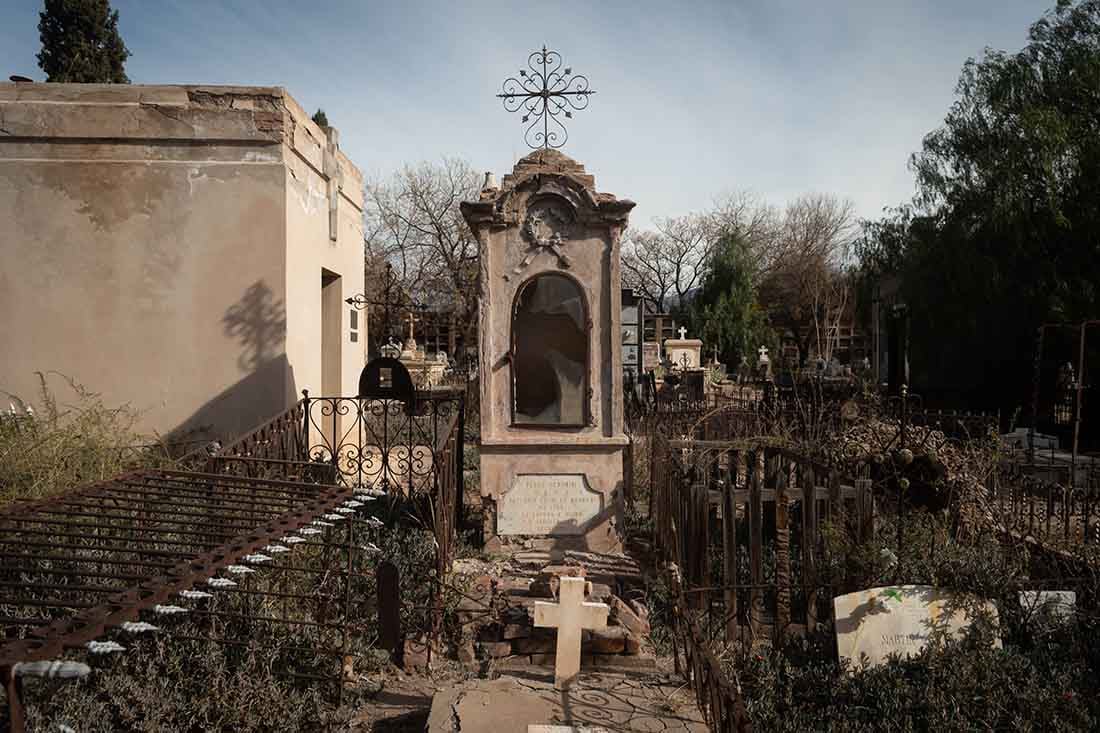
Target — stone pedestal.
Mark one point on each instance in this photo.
(685, 353)
(552, 440)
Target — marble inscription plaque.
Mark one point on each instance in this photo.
(547, 504)
(873, 624)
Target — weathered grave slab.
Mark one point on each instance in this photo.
(548, 504)
(1057, 605)
(873, 624)
(596, 702)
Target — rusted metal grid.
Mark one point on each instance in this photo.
(199, 556)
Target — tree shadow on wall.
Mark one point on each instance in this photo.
(258, 323)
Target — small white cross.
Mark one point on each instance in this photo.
(570, 616)
(683, 333)
(763, 354)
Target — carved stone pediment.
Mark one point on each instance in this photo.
(547, 227)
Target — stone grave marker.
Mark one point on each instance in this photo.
(684, 353)
(571, 615)
(1054, 605)
(875, 623)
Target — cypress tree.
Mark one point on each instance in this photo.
(80, 42)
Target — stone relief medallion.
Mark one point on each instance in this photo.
(546, 229)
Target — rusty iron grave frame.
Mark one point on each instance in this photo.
(148, 540)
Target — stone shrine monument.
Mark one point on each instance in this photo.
(552, 440)
(684, 353)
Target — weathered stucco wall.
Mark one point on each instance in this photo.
(146, 244)
(311, 161)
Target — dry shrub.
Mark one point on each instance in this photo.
(49, 447)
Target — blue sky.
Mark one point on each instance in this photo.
(693, 99)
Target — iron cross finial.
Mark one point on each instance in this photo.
(543, 91)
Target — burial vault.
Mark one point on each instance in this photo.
(552, 441)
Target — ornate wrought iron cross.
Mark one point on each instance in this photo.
(543, 92)
(393, 300)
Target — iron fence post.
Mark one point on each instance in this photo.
(305, 423)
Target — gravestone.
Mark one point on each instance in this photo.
(651, 355)
(875, 623)
(550, 356)
(683, 352)
(570, 616)
(1049, 605)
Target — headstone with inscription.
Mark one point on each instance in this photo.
(551, 356)
(651, 355)
(548, 504)
(873, 624)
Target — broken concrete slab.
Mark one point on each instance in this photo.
(514, 704)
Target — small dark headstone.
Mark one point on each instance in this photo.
(386, 378)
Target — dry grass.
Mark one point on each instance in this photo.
(50, 446)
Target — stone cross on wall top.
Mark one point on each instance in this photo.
(571, 615)
(683, 333)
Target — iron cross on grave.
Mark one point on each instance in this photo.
(570, 615)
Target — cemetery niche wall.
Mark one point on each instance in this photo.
(550, 351)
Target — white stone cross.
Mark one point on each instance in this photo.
(570, 616)
(683, 333)
(763, 354)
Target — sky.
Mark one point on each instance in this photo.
(693, 99)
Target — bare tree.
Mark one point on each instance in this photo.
(803, 280)
(753, 221)
(670, 260)
(413, 222)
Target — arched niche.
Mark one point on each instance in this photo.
(550, 359)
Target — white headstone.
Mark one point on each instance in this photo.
(570, 616)
(763, 351)
(873, 624)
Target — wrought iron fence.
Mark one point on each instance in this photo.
(745, 523)
(716, 689)
(264, 542)
(383, 443)
(1044, 505)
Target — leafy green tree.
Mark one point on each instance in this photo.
(320, 117)
(725, 312)
(81, 43)
(1008, 207)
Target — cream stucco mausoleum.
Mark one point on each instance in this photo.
(550, 351)
(183, 249)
